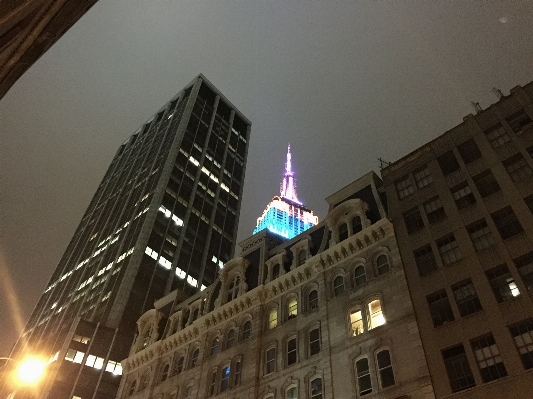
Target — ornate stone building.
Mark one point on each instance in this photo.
(326, 314)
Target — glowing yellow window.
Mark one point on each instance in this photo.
(293, 308)
(273, 319)
(356, 319)
(375, 315)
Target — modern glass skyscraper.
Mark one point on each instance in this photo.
(285, 215)
(164, 218)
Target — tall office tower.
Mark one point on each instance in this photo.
(164, 216)
(462, 210)
(285, 215)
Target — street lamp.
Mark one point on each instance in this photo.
(27, 372)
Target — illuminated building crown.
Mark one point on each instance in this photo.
(285, 215)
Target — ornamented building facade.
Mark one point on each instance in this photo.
(326, 314)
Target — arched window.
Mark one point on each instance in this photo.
(292, 393)
(314, 341)
(194, 358)
(145, 338)
(343, 232)
(338, 285)
(356, 321)
(360, 275)
(356, 225)
(386, 375)
(164, 375)
(375, 316)
(214, 346)
(233, 289)
(275, 271)
(313, 299)
(145, 379)
(247, 330)
(179, 366)
(292, 351)
(195, 314)
(213, 386)
(302, 257)
(231, 339)
(273, 319)
(316, 388)
(383, 264)
(292, 308)
(238, 369)
(224, 382)
(364, 383)
(270, 363)
(133, 386)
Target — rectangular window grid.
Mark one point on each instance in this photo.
(440, 308)
(486, 183)
(497, 136)
(466, 297)
(422, 177)
(524, 264)
(518, 168)
(457, 368)
(434, 210)
(425, 260)
(506, 222)
(449, 250)
(270, 361)
(413, 221)
(523, 338)
(291, 351)
(448, 163)
(469, 151)
(462, 195)
(404, 188)
(502, 283)
(480, 235)
(314, 342)
(488, 358)
(518, 120)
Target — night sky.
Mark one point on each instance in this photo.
(344, 82)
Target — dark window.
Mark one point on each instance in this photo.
(360, 275)
(404, 188)
(316, 388)
(449, 250)
(314, 341)
(524, 264)
(238, 367)
(233, 289)
(462, 194)
(480, 235)
(497, 136)
(194, 359)
(448, 163)
(469, 151)
(270, 361)
(440, 308)
(386, 374)
(224, 383)
(529, 202)
(164, 375)
(356, 225)
(466, 297)
(213, 383)
(422, 177)
(291, 351)
(413, 220)
(489, 360)
(275, 271)
(506, 222)
(518, 120)
(364, 381)
(247, 330)
(338, 285)
(313, 299)
(343, 232)
(145, 379)
(214, 346)
(133, 385)
(425, 260)
(523, 338)
(231, 339)
(518, 168)
(486, 183)
(458, 369)
(382, 263)
(502, 283)
(302, 257)
(434, 210)
(179, 366)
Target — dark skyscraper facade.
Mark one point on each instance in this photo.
(164, 218)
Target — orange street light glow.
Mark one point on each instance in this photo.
(31, 370)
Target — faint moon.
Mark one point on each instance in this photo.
(503, 20)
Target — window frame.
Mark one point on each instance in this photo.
(522, 334)
(459, 362)
(315, 344)
(379, 267)
(485, 352)
(403, 187)
(449, 250)
(486, 183)
(466, 304)
(290, 351)
(319, 395)
(382, 369)
(440, 308)
(506, 222)
(422, 177)
(338, 288)
(361, 374)
(270, 363)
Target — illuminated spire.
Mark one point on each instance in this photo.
(288, 188)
